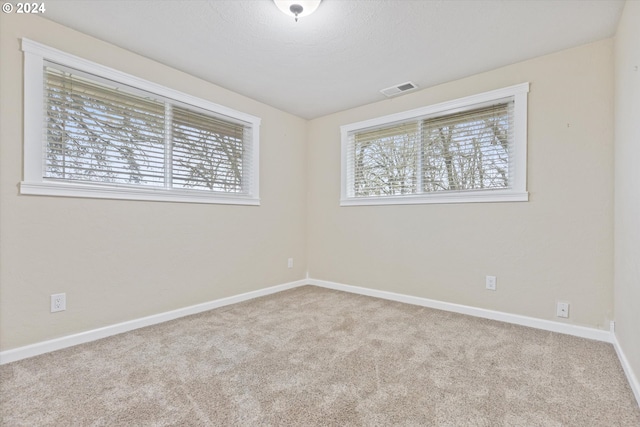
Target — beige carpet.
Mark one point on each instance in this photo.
(312, 356)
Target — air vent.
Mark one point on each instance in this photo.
(399, 89)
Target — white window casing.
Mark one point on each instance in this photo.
(185, 149)
(402, 158)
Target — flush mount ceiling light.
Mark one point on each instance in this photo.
(297, 8)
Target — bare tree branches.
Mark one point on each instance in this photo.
(102, 135)
(459, 152)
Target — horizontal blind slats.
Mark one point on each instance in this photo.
(207, 152)
(100, 112)
(100, 133)
(69, 96)
(468, 150)
(71, 87)
(112, 158)
(462, 151)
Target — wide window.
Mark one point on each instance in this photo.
(467, 150)
(110, 135)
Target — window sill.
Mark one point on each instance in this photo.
(490, 196)
(63, 189)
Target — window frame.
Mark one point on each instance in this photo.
(517, 192)
(33, 183)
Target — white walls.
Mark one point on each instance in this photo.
(122, 260)
(557, 246)
(627, 185)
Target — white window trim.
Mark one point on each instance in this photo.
(518, 192)
(33, 183)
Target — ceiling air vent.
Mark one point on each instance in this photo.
(399, 89)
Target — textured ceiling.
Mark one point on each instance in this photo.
(343, 54)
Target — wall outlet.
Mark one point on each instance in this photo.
(490, 283)
(58, 302)
(290, 263)
(562, 309)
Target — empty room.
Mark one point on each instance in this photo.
(320, 212)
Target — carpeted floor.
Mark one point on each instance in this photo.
(312, 356)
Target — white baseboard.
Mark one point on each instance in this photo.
(95, 334)
(634, 383)
(547, 325)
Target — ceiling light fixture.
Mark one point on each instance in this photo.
(297, 8)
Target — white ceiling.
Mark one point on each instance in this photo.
(342, 55)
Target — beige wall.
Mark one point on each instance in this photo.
(557, 246)
(121, 260)
(627, 184)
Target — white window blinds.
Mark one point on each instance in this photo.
(470, 149)
(100, 134)
(456, 152)
(106, 133)
(386, 161)
(208, 153)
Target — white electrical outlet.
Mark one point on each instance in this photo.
(58, 302)
(490, 283)
(290, 263)
(562, 309)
